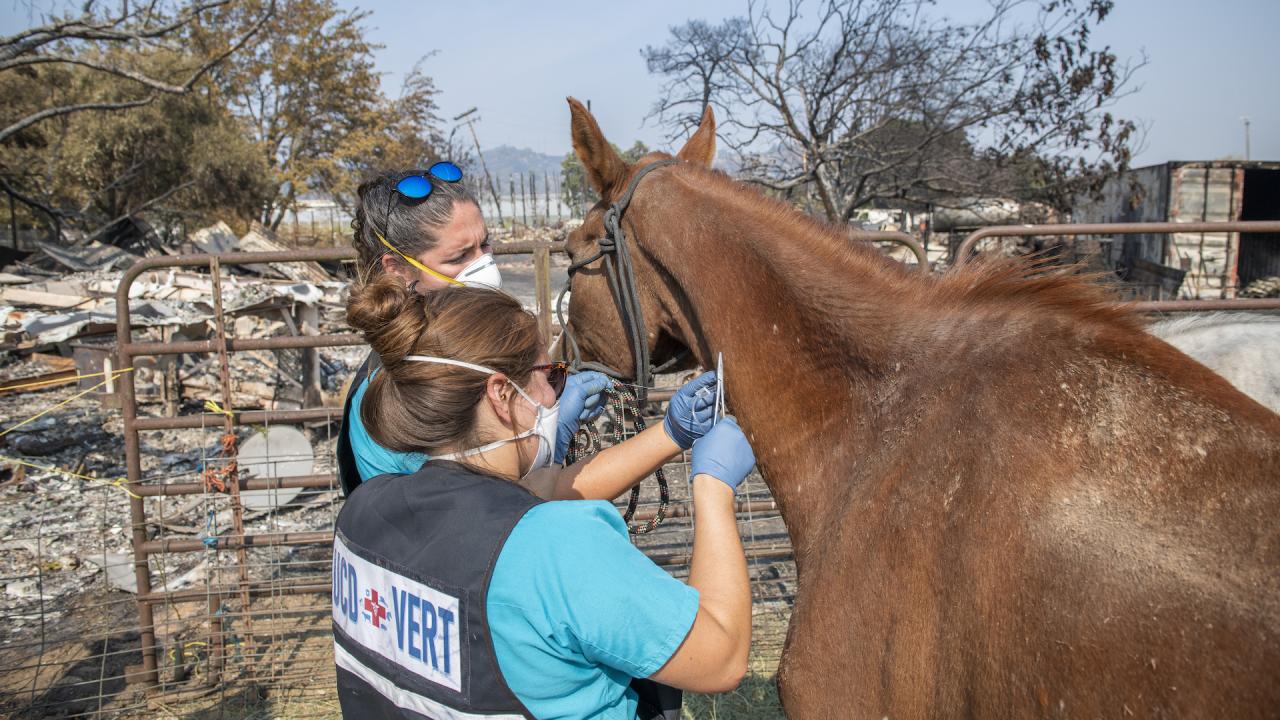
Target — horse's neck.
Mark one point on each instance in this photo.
(797, 378)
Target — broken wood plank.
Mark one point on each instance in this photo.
(23, 296)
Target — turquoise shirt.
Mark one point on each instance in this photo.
(574, 608)
(576, 611)
(372, 459)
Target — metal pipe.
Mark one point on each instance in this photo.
(320, 482)
(684, 558)
(248, 417)
(133, 469)
(682, 510)
(1159, 306)
(224, 381)
(233, 542)
(1003, 231)
(922, 258)
(214, 591)
(523, 247)
(279, 342)
(237, 542)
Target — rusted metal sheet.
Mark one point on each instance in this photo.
(1259, 253)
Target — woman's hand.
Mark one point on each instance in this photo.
(582, 399)
(724, 454)
(691, 412)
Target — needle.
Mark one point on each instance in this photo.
(719, 410)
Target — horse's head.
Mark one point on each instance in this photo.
(596, 310)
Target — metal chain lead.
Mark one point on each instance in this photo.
(587, 442)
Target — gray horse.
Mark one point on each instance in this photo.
(1242, 347)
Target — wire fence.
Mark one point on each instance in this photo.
(183, 578)
(237, 634)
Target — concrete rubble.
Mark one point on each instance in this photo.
(66, 525)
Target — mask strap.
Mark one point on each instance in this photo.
(470, 366)
(415, 263)
(487, 371)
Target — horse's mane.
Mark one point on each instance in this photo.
(999, 284)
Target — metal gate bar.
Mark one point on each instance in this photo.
(1008, 231)
(133, 425)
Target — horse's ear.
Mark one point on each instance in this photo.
(701, 147)
(605, 168)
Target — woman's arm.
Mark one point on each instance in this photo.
(609, 473)
(615, 470)
(713, 656)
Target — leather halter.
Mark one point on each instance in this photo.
(622, 284)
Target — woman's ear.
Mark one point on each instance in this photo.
(498, 392)
(392, 266)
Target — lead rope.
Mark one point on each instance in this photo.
(587, 442)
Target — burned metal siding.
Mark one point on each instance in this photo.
(1208, 191)
(1140, 195)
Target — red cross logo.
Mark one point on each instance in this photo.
(375, 608)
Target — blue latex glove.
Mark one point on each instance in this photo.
(691, 410)
(582, 399)
(724, 454)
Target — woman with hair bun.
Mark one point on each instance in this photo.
(475, 587)
(424, 228)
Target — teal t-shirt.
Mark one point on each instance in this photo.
(576, 611)
(372, 459)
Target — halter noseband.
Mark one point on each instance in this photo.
(622, 284)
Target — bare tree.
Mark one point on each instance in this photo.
(875, 101)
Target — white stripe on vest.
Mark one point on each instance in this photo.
(412, 625)
(402, 698)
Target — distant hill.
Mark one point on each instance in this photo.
(505, 161)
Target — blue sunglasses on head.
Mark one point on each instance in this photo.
(419, 186)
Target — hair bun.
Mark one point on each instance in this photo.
(390, 316)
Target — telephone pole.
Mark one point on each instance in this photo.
(493, 191)
(1246, 136)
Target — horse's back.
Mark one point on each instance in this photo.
(1107, 544)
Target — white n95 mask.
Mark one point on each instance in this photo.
(545, 424)
(481, 272)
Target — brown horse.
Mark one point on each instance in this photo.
(1005, 498)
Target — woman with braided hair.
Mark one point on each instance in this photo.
(476, 586)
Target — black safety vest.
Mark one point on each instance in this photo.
(411, 534)
(348, 473)
(413, 555)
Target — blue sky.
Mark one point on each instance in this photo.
(1210, 63)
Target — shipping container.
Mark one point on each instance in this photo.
(1216, 264)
